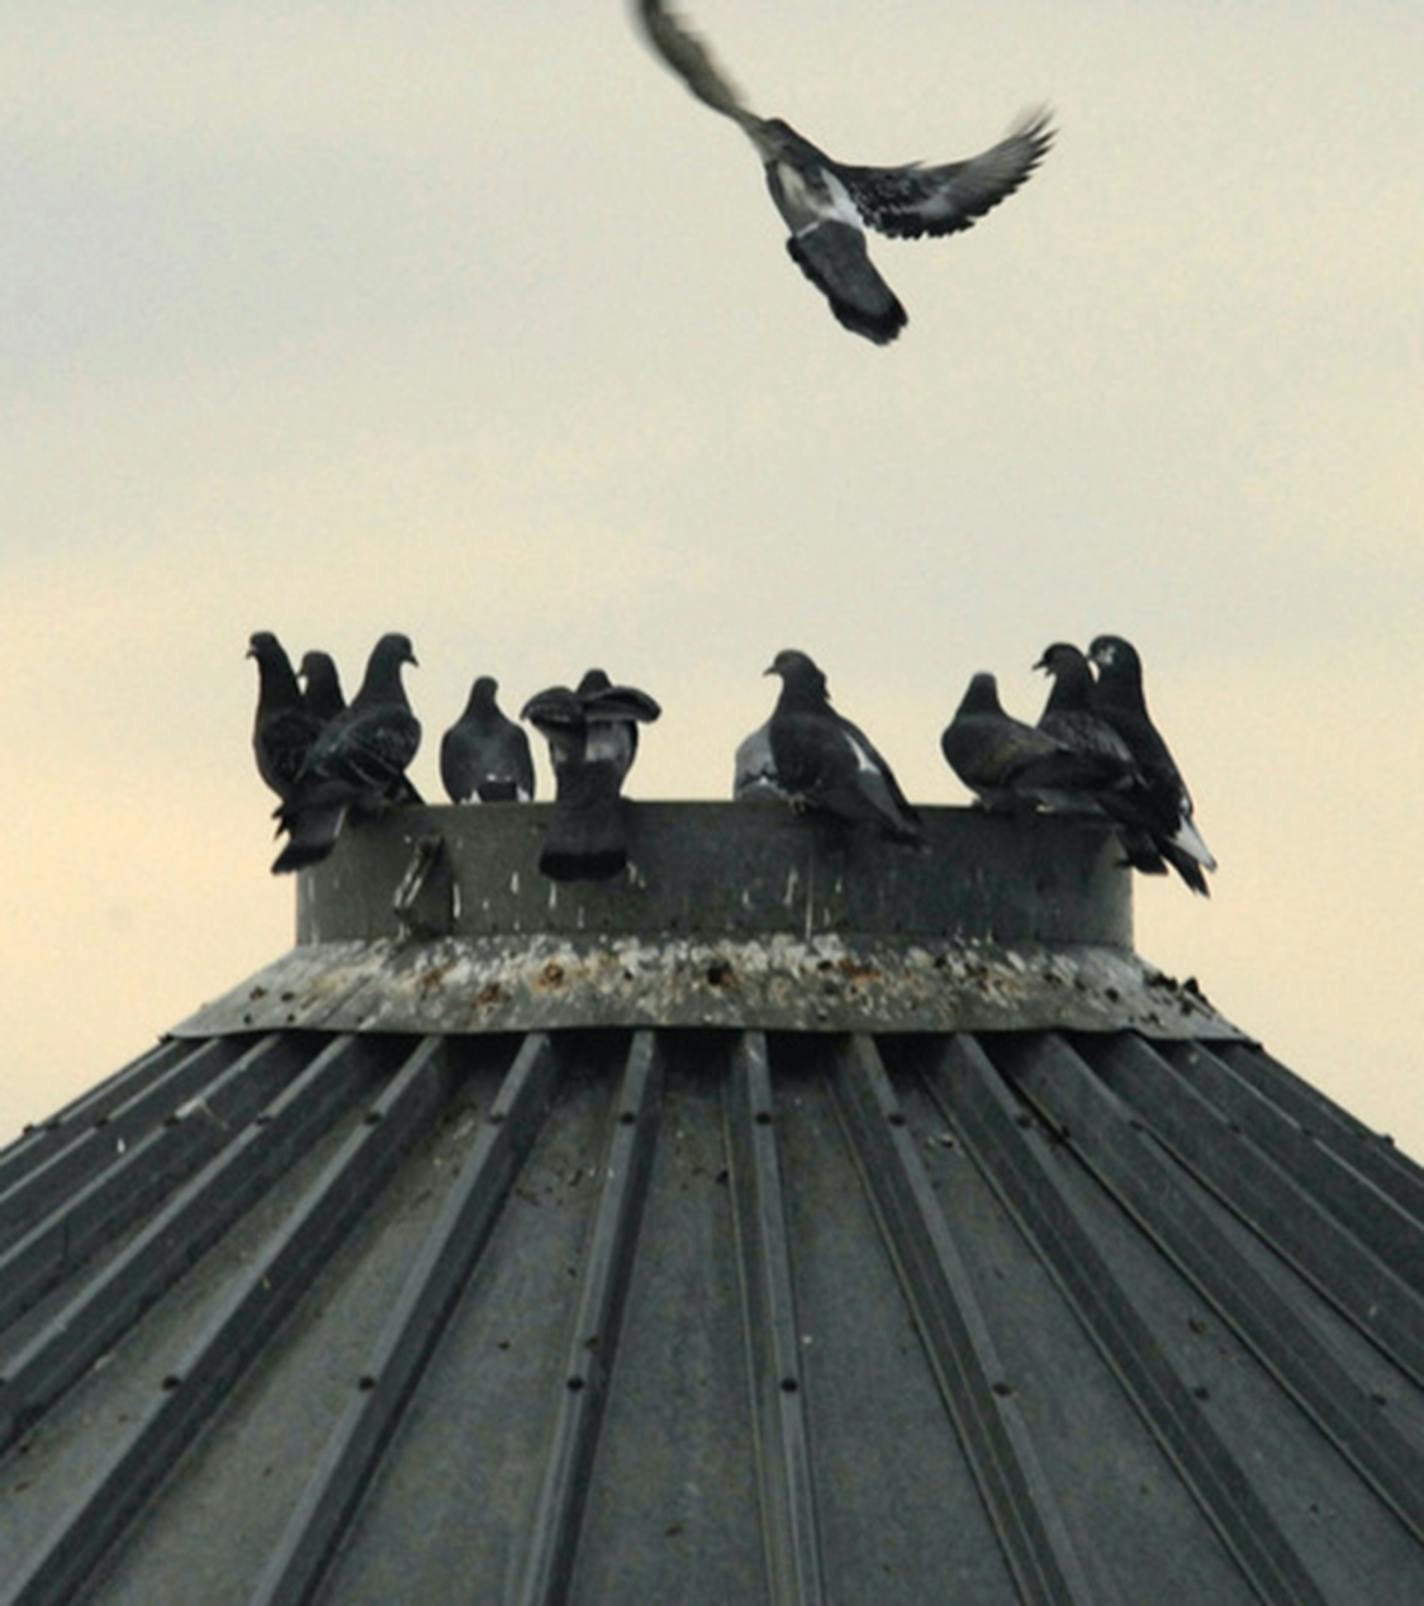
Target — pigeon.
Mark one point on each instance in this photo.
(1118, 788)
(754, 777)
(825, 762)
(284, 729)
(1068, 715)
(1119, 699)
(1009, 765)
(828, 205)
(484, 757)
(357, 762)
(593, 738)
(323, 685)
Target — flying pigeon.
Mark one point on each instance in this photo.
(824, 761)
(1009, 765)
(484, 757)
(593, 738)
(357, 762)
(323, 694)
(828, 205)
(283, 730)
(754, 777)
(1119, 698)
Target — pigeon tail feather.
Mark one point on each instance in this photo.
(1188, 839)
(833, 257)
(313, 835)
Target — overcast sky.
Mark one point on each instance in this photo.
(466, 320)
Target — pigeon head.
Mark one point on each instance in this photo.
(1060, 658)
(324, 696)
(1115, 654)
(263, 646)
(481, 703)
(798, 671)
(394, 649)
(981, 696)
(382, 682)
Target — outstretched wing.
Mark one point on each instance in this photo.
(913, 200)
(618, 704)
(690, 59)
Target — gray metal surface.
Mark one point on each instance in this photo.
(711, 1317)
(727, 869)
(735, 915)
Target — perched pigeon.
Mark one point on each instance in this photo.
(1010, 765)
(828, 205)
(1116, 787)
(754, 770)
(357, 762)
(823, 760)
(1068, 714)
(484, 757)
(1119, 698)
(323, 685)
(284, 729)
(593, 738)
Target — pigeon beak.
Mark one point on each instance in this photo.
(1041, 664)
(769, 670)
(414, 660)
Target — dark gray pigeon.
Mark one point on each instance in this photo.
(1119, 698)
(593, 738)
(284, 729)
(1009, 765)
(824, 761)
(484, 757)
(1115, 786)
(322, 685)
(357, 763)
(828, 205)
(1069, 715)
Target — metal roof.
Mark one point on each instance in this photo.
(699, 1314)
(731, 915)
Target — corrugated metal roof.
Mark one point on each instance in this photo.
(698, 1315)
(635, 1300)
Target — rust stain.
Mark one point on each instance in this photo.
(431, 979)
(859, 969)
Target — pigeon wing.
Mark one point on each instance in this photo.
(375, 748)
(690, 59)
(881, 768)
(909, 201)
(620, 703)
(516, 761)
(284, 739)
(994, 751)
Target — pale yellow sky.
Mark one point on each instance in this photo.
(465, 319)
